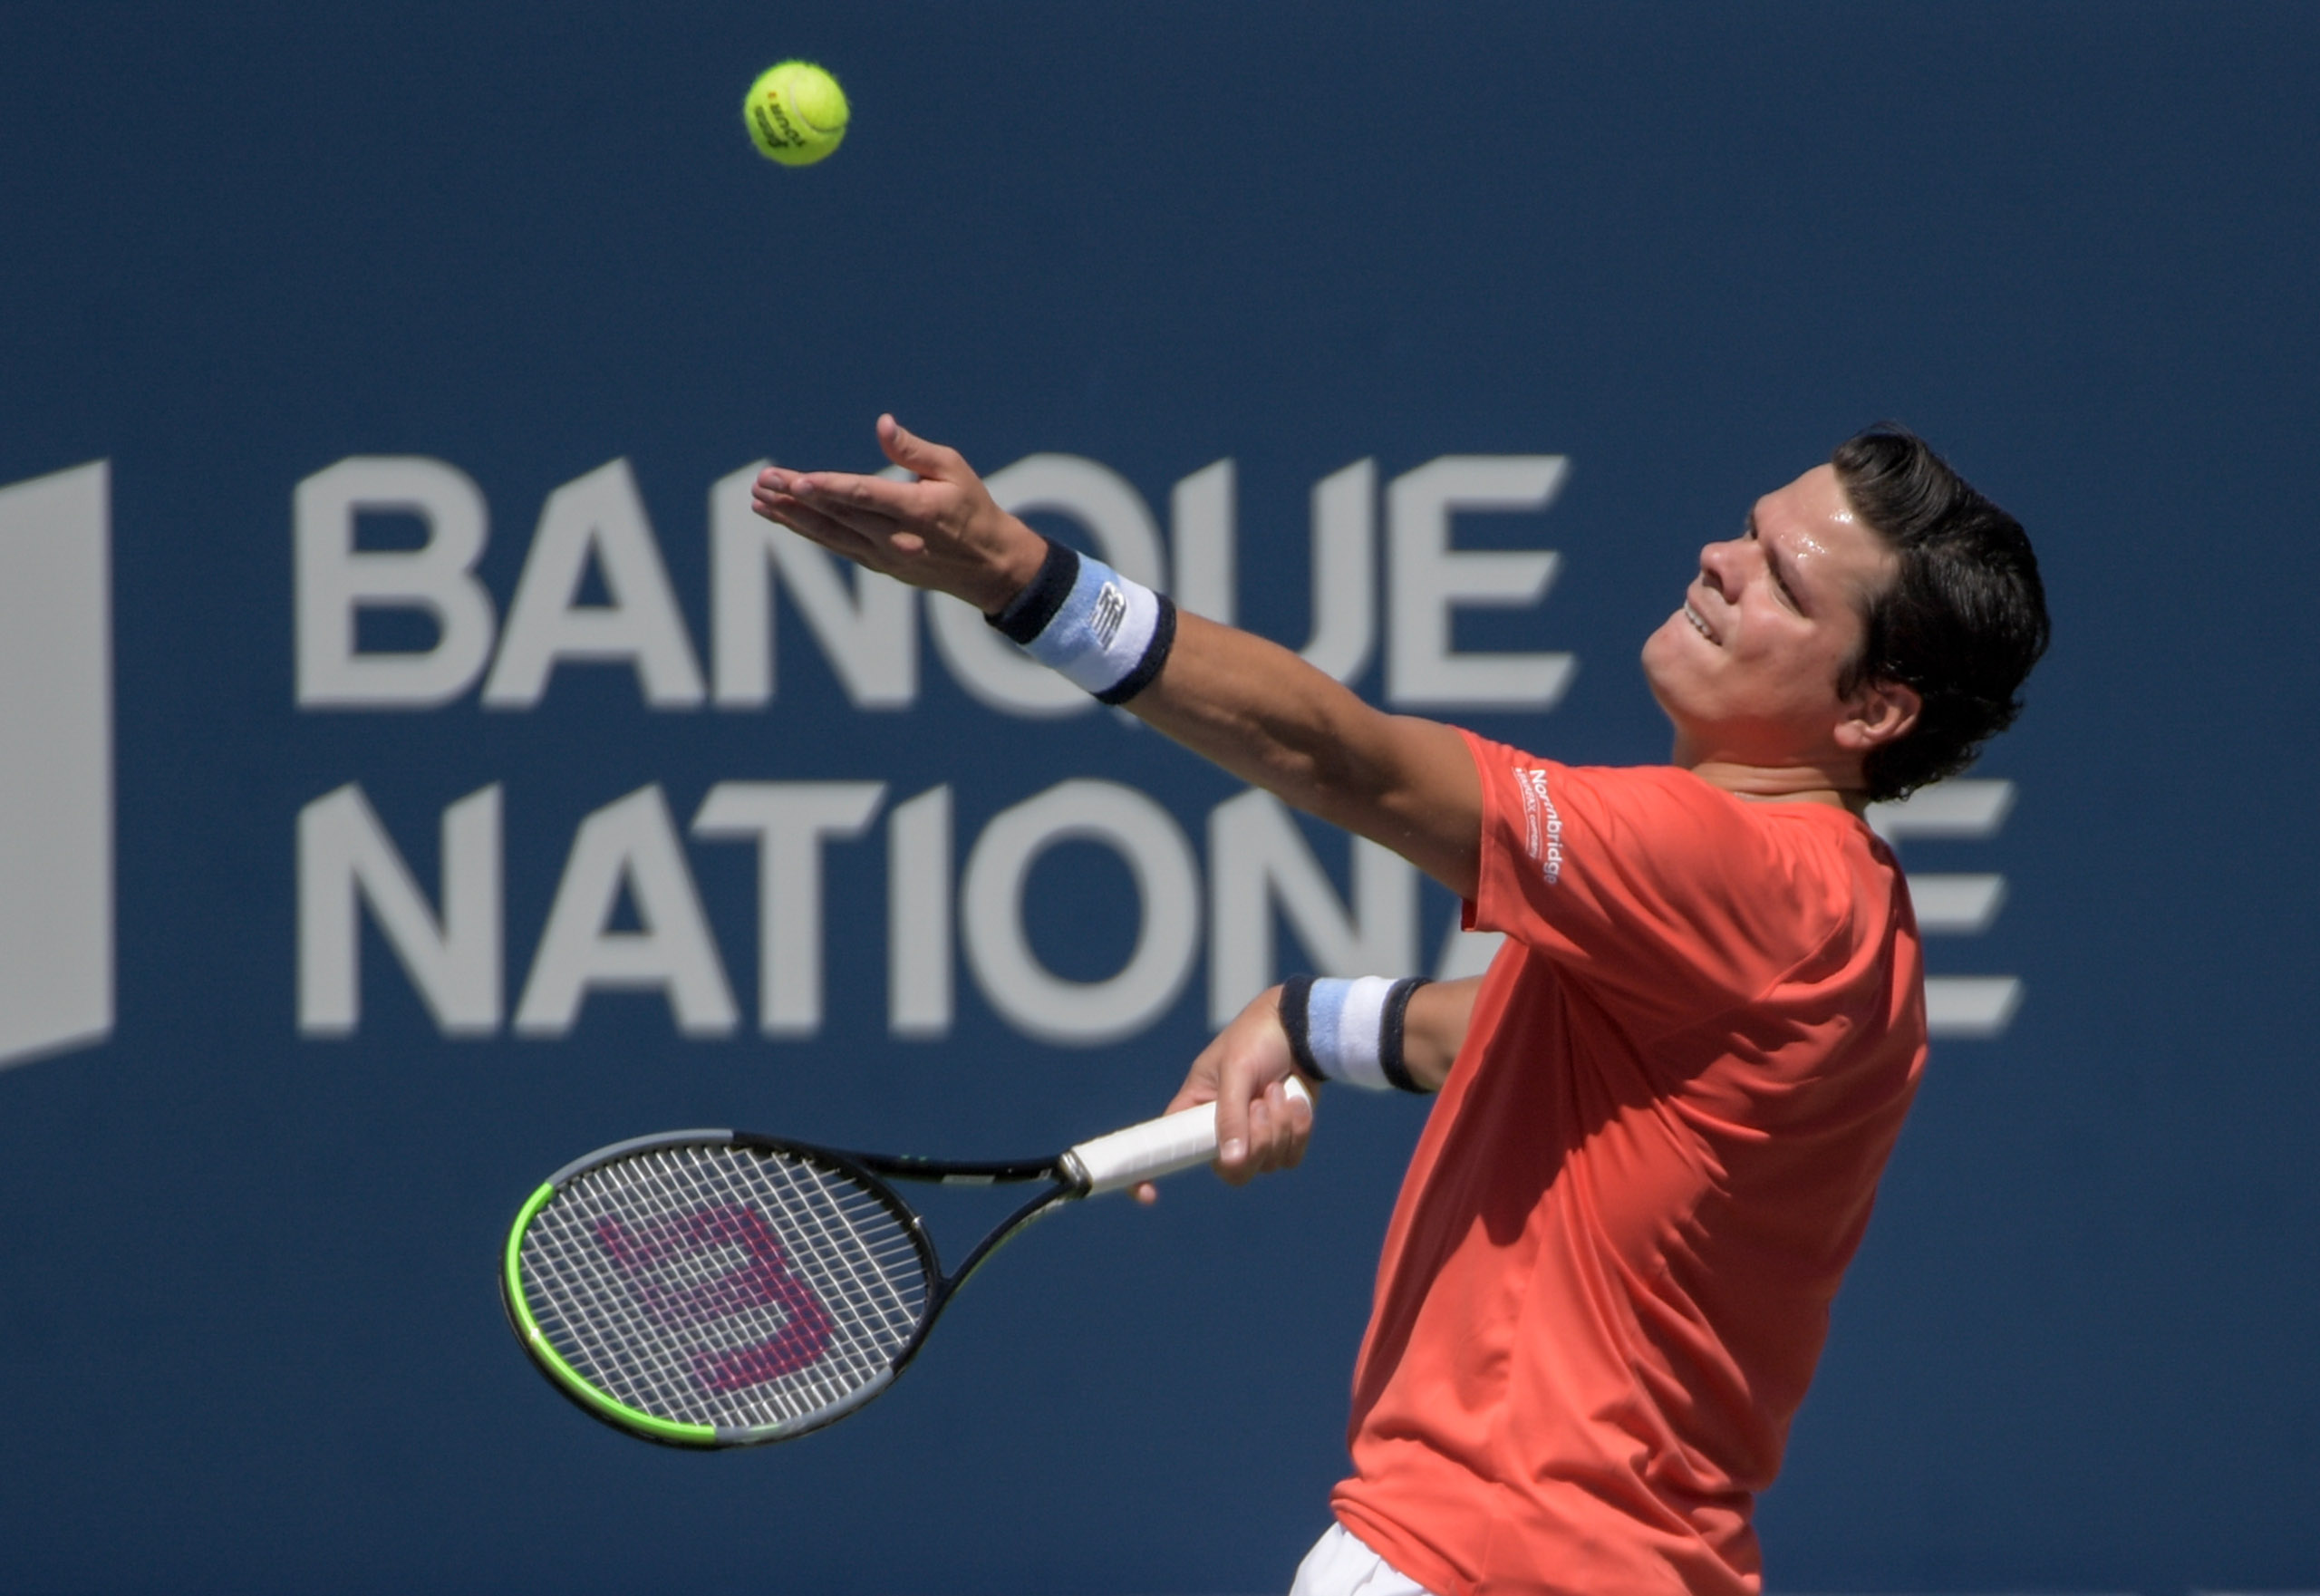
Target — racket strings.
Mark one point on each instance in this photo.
(735, 1287)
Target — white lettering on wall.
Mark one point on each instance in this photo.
(1201, 538)
(345, 859)
(1203, 521)
(789, 821)
(1956, 904)
(1258, 858)
(334, 580)
(866, 623)
(56, 782)
(628, 847)
(1259, 866)
(1429, 579)
(866, 628)
(919, 998)
(1344, 571)
(1028, 994)
(601, 517)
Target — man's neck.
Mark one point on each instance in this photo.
(1801, 783)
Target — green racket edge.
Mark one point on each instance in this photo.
(544, 1352)
(600, 1404)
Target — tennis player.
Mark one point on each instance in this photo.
(1664, 1111)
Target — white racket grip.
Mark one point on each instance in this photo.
(1154, 1148)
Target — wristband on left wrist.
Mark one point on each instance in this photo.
(1094, 626)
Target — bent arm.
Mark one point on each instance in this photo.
(1246, 1069)
(1247, 705)
(1433, 1027)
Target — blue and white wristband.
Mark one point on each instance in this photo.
(1099, 630)
(1350, 1030)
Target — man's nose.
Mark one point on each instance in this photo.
(1720, 565)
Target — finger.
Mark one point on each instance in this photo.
(862, 498)
(1146, 1192)
(1297, 1111)
(1233, 1129)
(916, 454)
(785, 512)
(777, 505)
(1288, 1136)
(872, 525)
(859, 534)
(1281, 1130)
(832, 491)
(1287, 1121)
(1263, 1134)
(809, 523)
(835, 492)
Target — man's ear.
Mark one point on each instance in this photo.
(1879, 714)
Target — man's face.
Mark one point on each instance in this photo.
(1747, 667)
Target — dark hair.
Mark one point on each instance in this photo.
(1964, 619)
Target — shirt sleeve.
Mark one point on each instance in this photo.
(1663, 894)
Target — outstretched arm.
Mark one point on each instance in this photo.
(1247, 705)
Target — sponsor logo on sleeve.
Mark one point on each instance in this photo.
(1541, 823)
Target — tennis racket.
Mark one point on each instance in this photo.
(712, 1288)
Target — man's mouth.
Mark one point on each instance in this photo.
(1699, 624)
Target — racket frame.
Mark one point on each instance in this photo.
(1105, 1164)
(871, 1171)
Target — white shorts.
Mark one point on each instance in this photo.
(1340, 1564)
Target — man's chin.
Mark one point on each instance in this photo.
(1661, 660)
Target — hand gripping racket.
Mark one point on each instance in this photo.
(709, 1288)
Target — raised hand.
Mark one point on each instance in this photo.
(942, 531)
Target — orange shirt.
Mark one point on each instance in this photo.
(1607, 1277)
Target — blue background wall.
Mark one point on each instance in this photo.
(246, 1320)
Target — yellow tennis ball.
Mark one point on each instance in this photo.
(796, 113)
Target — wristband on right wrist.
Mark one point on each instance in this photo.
(1350, 1030)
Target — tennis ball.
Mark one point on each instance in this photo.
(796, 113)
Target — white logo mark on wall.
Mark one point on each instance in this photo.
(56, 929)
(1956, 904)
